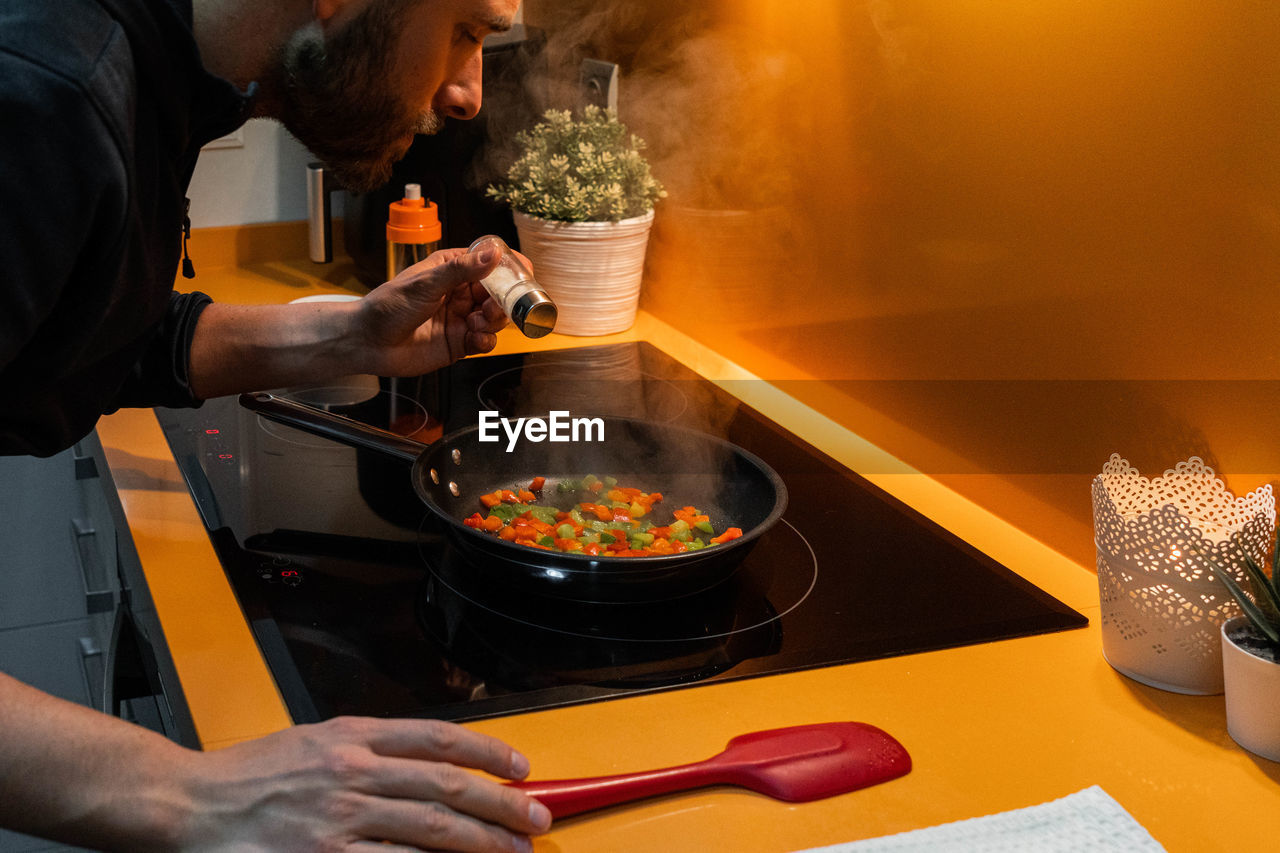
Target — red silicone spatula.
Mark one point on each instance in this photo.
(794, 764)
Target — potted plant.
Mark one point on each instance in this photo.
(1251, 660)
(582, 196)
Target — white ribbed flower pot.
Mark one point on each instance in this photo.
(1252, 685)
(591, 270)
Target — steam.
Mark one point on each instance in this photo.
(706, 99)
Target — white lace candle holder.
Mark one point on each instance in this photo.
(1162, 608)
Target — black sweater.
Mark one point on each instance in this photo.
(104, 105)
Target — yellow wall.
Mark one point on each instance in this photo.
(997, 237)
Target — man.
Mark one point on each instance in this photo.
(105, 105)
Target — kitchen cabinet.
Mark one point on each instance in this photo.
(74, 611)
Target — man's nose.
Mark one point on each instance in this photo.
(460, 95)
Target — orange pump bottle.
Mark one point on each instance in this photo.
(413, 230)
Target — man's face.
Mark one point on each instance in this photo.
(355, 92)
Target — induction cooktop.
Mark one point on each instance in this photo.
(361, 604)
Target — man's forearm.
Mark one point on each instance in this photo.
(239, 348)
(82, 777)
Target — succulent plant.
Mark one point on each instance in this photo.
(1261, 602)
(586, 169)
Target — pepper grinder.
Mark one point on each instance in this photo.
(413, 230)
(512, 284)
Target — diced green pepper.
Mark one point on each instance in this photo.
(547, 541)
(506, 512)
(610, 482)
(705, 527)
(545, 514)
(565, 531)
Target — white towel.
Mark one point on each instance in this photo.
(1087, 821)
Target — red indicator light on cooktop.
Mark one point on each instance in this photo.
(213, 432)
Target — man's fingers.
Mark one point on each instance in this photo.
(462, 791)
(433, 826)
(440, 274)
(474, 266)
(436, 740)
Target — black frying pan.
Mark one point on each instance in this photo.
(734, 487)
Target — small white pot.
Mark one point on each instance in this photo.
(591, 270)
(1253, 696)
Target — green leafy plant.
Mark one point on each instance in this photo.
(587, 169)
(1261, 603)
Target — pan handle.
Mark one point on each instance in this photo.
(337, 428)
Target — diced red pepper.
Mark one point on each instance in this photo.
(598, 510)
(731, 533)
(537, 484)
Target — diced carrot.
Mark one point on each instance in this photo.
(491, 500)
(507, 534)
(568, 544)
(493, 524)
(537, 484)
(592, 548)
(509, 496)
(525, 496)
(597, 487)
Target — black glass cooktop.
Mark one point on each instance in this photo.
(361, 604)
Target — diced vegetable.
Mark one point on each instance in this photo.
(731, 533)
(602, 518)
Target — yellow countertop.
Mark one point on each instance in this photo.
(990, 727)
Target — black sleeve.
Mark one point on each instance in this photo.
(59, 170)
(162, 376)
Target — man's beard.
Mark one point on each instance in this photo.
(336, 97)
